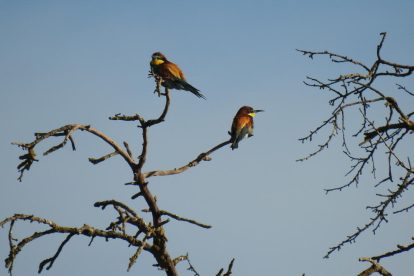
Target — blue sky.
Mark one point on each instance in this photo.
(66, 62)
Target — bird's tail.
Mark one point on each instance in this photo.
(235, 144)
(186, 86)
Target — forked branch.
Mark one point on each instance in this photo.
(154, 240)
(357, 90)
(85, 230)
(375, 267)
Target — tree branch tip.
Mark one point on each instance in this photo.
(164, 222)
(136, 195)
(131, 183)
(99, 204)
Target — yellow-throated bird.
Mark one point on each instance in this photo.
(242, 126)
(171, 74)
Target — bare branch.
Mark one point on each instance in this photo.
(127, 217)
(379, 210)
(388, 134)
(28, 158)
(342, 58)
(376, 267)
(134, 258)
(179, 259)
(86, 230)
(360, 164)
(103, 158)
(191, 268)
(113, 202)
(333, 121)
(128, 149)
(16, 249)
(118, 117)
(405, 89)
(158, 80)
(151, 122)
(384, 34)
(400, 249)
(52, 260)
(404, 209)
(400, 163)
(195, 162)
(12, 248)
(164, 113)
(181, 218)
(67, 131)
(228, 270)
(372, 134)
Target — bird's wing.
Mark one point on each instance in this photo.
(171, 71)
(241, 127)
(244, 132)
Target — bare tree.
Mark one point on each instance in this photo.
(147, 236)
(355, 93)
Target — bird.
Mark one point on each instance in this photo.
(242, 126)
(171, 74)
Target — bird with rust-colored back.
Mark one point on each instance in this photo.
(242, 126)
(171, 74)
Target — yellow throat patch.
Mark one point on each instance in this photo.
(156, 62)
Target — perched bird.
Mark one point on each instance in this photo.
(172, 75)
(242, 126)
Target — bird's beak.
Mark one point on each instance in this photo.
(252, 114)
